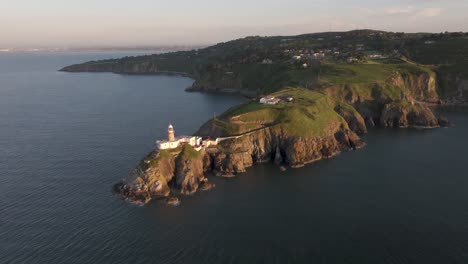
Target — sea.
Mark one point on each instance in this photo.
(66, 138)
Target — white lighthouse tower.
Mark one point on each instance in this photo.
(172, 142)
(170, 133)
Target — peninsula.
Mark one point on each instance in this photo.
(312, 97)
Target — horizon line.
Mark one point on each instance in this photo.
(147, 47)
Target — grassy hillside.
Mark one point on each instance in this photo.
(310, 114)
(261, 65)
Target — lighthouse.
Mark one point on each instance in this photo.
(170, 133)
(172, 142)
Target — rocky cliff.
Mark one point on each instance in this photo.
(276, 145)
(402, 100)
(454, 88)
(149, 179)
(299, 133)
(420, 87)
(405, 114)
(163, 173)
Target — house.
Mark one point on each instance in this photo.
(320, 55)
(269, 99)
(376, 56)
(352, 60)
(192, 141)
(209, 142)
(305, 65)
(429, 42)
(166, 144)
(267, 61)
(297, 57)
(162, 144)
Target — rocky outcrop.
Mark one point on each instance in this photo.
(162, 173)
(404, 114)
(229, 164)
(454, 88)
(233, 156)
(189, 173)
(422, 87)
(173, 201)
(355, 121)
(149, 179)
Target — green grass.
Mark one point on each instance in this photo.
(189, 152)
(339, 74)
(310, 114)
(370, 82)
(165, 154)
(357, 73)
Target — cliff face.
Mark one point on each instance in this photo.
(401, 101)
(149, 179)
(188, 172)
(404, 114)
(272, 145)
(355, 120)
(422, 87)
(454, 88)
(163, 173)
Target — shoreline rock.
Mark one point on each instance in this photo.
(410, 115)
(173, 201)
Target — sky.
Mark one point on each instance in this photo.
(91, 23)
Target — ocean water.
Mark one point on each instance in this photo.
(65, 139)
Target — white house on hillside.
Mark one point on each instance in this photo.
(269, 99)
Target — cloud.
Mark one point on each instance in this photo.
(401, 11)
(398, 10)
(429, 12)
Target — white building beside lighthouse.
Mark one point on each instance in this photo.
(172, 142)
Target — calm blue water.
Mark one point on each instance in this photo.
(66, 138)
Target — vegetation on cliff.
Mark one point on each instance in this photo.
(310, 114)
(341, 84)
(163, 173)
(259, 65)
